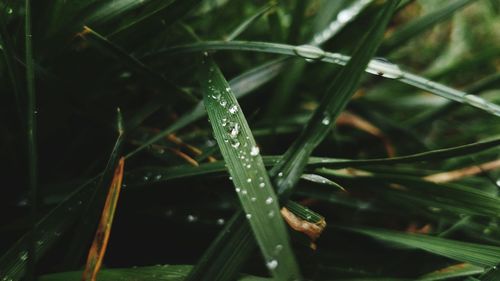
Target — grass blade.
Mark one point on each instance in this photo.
(375, 67)
(249, 176)
(295, 159)
(98, 248)
(31, 136)
(121, 56)
(246, 23)
(477, 254)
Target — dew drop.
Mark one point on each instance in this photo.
(235, 144)
(191, 218)
(230, 178)
(498, 182)
(158, 177)
(23, 256)
(253, 199)
(228, 89)
(261, 185)
(220, 221)
(269, 200)
(244, 192)
(270, 214)
(233, 109)
(10, 11)
(326, 120)
(345, 16)
(309, 52)
(238, 189)
(234, 129)
(278, 249)
(223, 102)
(249, 166)
(272, 264)
(249, 180)
(249, 216)
(254, 151)
(280, 174)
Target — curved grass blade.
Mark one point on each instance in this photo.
(98, 248)
(477, 254)
(246, 23)
(418, 26)
(160, 174)
(248, 171)
(31, 136)
(121, 56)
(375, 67)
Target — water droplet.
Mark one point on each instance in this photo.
(234, 129)
(278, 249)
(235, 144)
(249, 180)
(254, 151)
(487, 231)
(238, 189)
(270, 214)
(216, 96)
(309, 52)
(253, 199)
(261, 185)
(230, 178)
(228, 89)
(498, 182)
(10, 11)
(209, 80)
(269, 200)
(326, 120)
(345, 16)
(249, 166)
(223, 102)
(23, 256)
(220, 221)
(280, 174)
(244, 192)
(249, 216)
(272, 264)
(191, 218)
(205, 54)
(233, 109)
(158, 177)
(39, 242)
(145, 178)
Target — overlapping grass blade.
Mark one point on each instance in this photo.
(453, 271)
(248, 171)
(416, 27)
(241, 85)
(477, 254)
(334, 101)
(94, 206)
(121, 56)
(375, 67)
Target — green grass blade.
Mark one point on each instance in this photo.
(121, 56)
(93, 208)
(241, 86)
(420, 25)
(454, 271)
(295, 159)
(31, 137)
(248, 171)
(375, 67)
(477, 254)
(248, 22)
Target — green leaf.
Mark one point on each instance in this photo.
(247, 169)
(477, 254)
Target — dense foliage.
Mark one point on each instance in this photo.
(261, 140)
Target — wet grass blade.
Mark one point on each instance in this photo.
(477, 254)
(375, 67)
(334, 101)
(98, 248)
(249, 175)
(103, 44)
(420, 25)
(453, 271)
